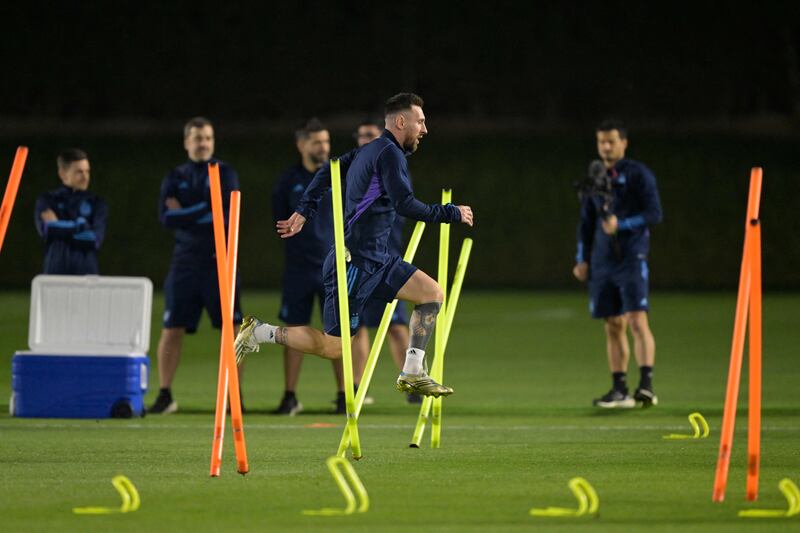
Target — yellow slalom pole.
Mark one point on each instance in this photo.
(438, 361)
(377, 343)
(458, 281)
(344, 307)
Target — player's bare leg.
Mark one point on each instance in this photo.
(169, 355)
(360, 353)
(618, 351)
(398, 341)
(423, 291)
(292, 364)
(420, 289)
(644, 349)
(304, 339)
(617, 346)
(170, 345)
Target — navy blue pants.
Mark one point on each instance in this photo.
(381, 285)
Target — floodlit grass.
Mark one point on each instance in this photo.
(525, 367)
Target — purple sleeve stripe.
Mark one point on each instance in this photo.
(374, 191)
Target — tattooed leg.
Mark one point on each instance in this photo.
(421, 325)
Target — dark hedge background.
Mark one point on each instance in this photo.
(512, 90)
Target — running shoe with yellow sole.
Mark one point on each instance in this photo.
(245, 341)
(421, 384)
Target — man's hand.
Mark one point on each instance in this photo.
(466, 214)
(610, 225)
(581, 271)
(291, 226)
(172, 203)
(48, 215)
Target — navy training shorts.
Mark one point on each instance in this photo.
(300, 287)
(382, 285)
(619, 290)
(189, 289)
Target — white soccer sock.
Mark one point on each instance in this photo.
(414, 361)
(265, 333)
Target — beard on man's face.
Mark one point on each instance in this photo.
(318, 158)
(411, 145)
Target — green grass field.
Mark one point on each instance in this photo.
(525, 366)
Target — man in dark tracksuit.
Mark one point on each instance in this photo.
(613, 243)
(377, 189)
(302, 275)
(191, 284)
(71, 220)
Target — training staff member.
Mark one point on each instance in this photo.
(191, 285)
(613, 242)
(71, 220)
(302, 274)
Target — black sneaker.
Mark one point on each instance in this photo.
(615, 399)
(413, 398)
(289, 406)
(164, 405)
(341, 404)
(646, 396)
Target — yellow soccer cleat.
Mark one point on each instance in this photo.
(421, 384)
(245, 341)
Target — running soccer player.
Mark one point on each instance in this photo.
(368, 130)
(613, 242)
(378, 188)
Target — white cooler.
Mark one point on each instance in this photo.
(88, 339)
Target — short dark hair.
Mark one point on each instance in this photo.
(196, 122)
(402, 102)
(613, 124)
(372, 120)
(312, 125)
(69, 156)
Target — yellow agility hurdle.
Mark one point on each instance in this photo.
(128, 493)
(343, 472)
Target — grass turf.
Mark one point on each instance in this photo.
(524, 366)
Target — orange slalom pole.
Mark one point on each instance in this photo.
(754, 327)
(11, 191)
(222, 379)
(737, 348)
(227, 319)
(754, 408)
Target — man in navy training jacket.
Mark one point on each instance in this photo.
(613, 242)
(71, 220)
(302, 273)
(184, 206)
